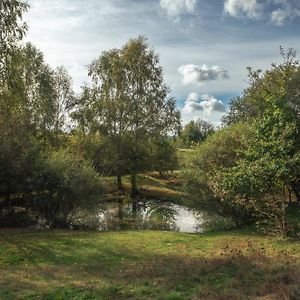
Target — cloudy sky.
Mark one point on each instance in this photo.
(205, 46)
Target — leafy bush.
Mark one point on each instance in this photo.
(206, 168)
(63, 184)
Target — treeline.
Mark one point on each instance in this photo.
(55, 146)
(250, 169)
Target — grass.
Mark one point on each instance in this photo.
(147, 265)
(151, 186)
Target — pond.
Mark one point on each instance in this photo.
(150, 215)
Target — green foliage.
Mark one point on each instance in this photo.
(278, 84)
(11, 32)
(196, 132)
(64, 183)
(129, 107)
(269, 168)
(164, 157)
(206, 168)
(272, 161)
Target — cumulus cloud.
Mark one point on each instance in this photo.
(238, 8)
(286, 10)
(277, 11)
(192, 103)
(211, 104)
(193, 74)
(204, 106)
(175, 8)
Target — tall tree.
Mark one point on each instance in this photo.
(109, 106)
(65, 98)
(129, 103)
(151, 112)
(12, 30)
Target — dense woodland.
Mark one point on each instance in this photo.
(56, 146)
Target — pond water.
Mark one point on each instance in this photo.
(151, 215)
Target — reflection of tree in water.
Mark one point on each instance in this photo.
(160, 216)
(149, 215)
(153, 215)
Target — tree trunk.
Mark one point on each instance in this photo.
(133, 186)
(120, 209)
(134, 206)
(296, 189)
(119, 182)
(284, 229)
(290, 194)
(134, 192)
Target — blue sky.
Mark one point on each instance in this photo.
(205, 46)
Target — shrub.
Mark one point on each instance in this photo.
(63, 184)
(206, 168)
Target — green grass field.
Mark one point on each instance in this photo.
(147, 265)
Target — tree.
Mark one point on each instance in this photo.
(164, 155)
(15, 143)
(108, 106)
(196, 132)
(261, 180)
(151, 112)
(64, 102)
(279, 86)
(205, 173)
(270, 167)
(11, 32)
(129, 104)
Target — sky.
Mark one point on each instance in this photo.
(205, 46)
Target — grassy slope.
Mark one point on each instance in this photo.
(147, 265)
(151, 186)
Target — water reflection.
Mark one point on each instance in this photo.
(151, 215)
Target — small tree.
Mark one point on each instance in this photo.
(196, 132)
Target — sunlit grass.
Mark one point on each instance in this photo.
(151, 186)
(146, 265)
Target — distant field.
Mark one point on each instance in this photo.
(147, 265)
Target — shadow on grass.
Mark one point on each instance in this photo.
(231, 276)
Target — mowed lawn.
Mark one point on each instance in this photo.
(147, 265)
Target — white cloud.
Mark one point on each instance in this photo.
(287, 10)
(202, 106)
(193, 74)
(239, 8)
(211, 104)
(277, 11)
(175, 8)
(278, 17)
